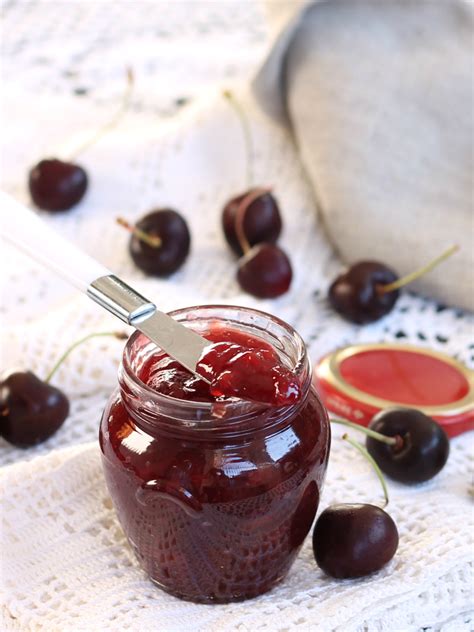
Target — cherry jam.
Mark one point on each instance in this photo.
(235, 364)
(215, 494)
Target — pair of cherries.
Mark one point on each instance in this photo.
(354, 540)
(252, 224)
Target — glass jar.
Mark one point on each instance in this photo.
(215, 498)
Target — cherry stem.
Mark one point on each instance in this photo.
(246, 132)
(395, 441)
(120, 335)
(244, 205)
(114, 121)
(391, 287)
(369, 458)
(151, 240)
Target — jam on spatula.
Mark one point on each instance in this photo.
(236, 365)
(253, 374)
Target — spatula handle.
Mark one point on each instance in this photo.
(28, 232)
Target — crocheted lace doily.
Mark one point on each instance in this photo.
(65, 564)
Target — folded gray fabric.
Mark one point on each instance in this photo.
(379, 96)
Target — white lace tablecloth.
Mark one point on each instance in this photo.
(65, 565)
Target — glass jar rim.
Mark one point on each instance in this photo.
(235, 409)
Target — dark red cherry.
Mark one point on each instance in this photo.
(173, 238)
(265, 271)
(56, 185)
(261, 220)
(353, 540)
(30, 410)
(369, 290)
(356, 295)
(420, 454)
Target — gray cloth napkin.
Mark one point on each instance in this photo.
(379, 96)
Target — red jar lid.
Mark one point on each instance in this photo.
(358, 381)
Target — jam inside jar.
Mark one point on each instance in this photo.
(215, 497)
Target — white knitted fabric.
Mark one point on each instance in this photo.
(65, 564)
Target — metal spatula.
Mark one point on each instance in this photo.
(29, 233)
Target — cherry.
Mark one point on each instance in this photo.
(353, 540)
(265, 271)
(262, 220)
(421, 446)
(252, 224)
(56, 185)
(30, 410)
(369, 289)
(355, 296)
(160, 241)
